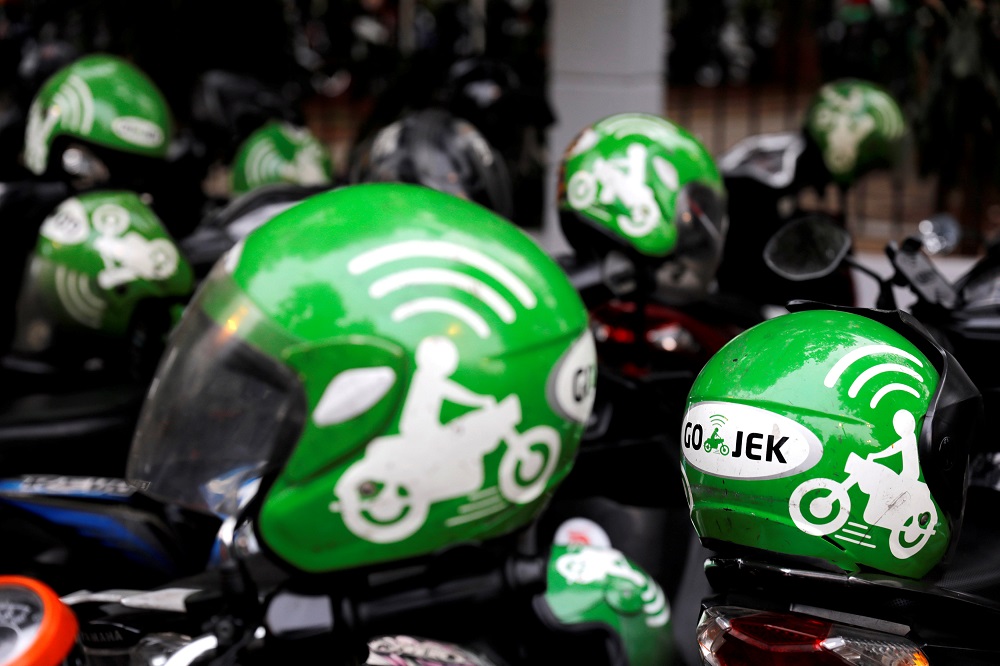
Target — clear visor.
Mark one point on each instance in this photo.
(220, 413)
(701, 232)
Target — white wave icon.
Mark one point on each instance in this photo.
(496, 304)
(878, 369)
(76, 105)
(75, 293)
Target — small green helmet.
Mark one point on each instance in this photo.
(279, 152)
(836, 437)
(102, 102)
(398, 368)
(642, 184)
(596, 584)
(857, 126)
(103, 260)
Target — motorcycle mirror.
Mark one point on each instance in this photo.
(807, 248)
(940, 233)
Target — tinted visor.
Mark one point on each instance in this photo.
(220, 413)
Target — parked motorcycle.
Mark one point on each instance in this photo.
(403, 553)
(851, 128)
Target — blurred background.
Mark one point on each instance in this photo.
(730, 68)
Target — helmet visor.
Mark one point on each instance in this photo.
(220, 412)
(701, 232)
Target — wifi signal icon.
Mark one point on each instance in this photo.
(718, 420)
(499, 306)
(76, 104)
(874, 371)
(265, 164)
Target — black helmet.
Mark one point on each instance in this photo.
(431, 147)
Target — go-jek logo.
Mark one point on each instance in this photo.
(735, 441)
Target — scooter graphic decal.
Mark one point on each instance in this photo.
(127, 256)
(899, 502)
(623, 179)
(387, 495)
(847, 124)
(594, 565)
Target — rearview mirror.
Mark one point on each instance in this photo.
(807, 248)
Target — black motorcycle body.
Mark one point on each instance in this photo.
(764, 176)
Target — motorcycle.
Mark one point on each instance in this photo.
(600, 608)
(761, 606)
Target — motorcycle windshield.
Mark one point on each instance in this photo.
(220, 412)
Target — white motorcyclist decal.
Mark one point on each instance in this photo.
(128, 255)
(588, 565)
(847, 125)
(898, 502)
(387, 495)
(623, 179)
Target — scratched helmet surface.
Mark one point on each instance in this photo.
(280, 152)
(858, 127)
(420, 371)
(832, 435)
(641, 183)
(102, 260)
(103, 103)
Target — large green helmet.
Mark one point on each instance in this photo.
(280, 152)
(833, 436)
(642, 184)
(401, 368)
(857, 126)
(103, 103)
(104, 265)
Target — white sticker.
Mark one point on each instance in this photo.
(735, 441)
(572, 382)
(138, 131)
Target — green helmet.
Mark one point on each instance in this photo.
(279, 152)
(401, 368)
(642, 184)
(103, 102)
(103, 259)
(587, 584)
(857, 126)
(831, 435)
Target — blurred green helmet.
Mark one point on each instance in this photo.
(103, 260)
(280, 152)
(857, 126)
(640, 183)
(103, 103)
(399, 369)
(834, 436)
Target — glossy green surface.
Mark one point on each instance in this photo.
(624, 173)
(279, 152)
(838, 388)
(364, 278)
(857, 125)
(594, 584)
(103, 100)
(98, 256)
